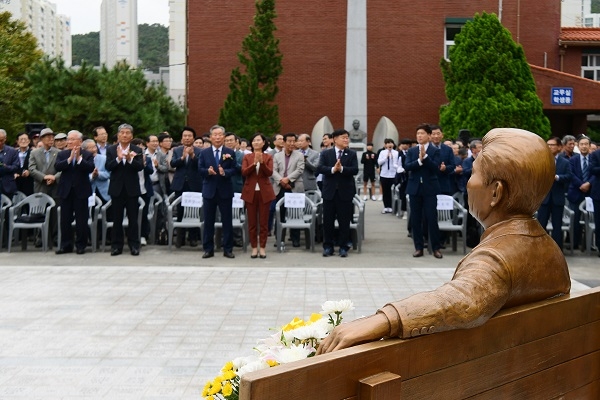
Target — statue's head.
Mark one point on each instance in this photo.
(515, 165)
(356, 124)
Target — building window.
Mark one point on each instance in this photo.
(590, 66)
(449, 34)
(588, 22)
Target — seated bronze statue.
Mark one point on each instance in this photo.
(516, 262)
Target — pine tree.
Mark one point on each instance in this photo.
(250, 105)
(489, 83)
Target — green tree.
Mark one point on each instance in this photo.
(250, 106)
(18, 49)
(489, 83)
(81, 99)
(153, 46)
(86, 48)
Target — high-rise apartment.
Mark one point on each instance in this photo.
(52, 31)
(119, 32)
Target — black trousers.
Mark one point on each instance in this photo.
(119, 205)
(69, 206)
(340, 209)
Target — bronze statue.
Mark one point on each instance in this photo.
(515, 263)
(356, 135)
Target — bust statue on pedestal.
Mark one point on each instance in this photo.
(356, 135)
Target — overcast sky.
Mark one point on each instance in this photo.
(85, 14)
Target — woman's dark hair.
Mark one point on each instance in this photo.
(264, 138)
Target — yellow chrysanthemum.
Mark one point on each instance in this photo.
(272, 363)
(216, 387)
(206, 389)
(315, 317)
(295, 323)
(228, 366)
(227, 389)
(228, 375)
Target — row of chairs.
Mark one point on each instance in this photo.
(33, 212)
(586, 221)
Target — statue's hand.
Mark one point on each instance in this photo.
(356, 332)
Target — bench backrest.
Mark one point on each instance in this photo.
(549, 349)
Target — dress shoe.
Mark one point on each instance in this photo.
(80, 251)
(116, 252)
(228, 254)
(295, 243)
(418, 253)
(135, 252)
(327, 252)
(193, 243)
(343, 253)
(263, 256)
(437, 254)
(64, 251)
(208, 254)
(254, 253)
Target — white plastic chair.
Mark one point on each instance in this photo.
(93, 217)
(192, 218)
(296, 218)
(4, 205)
(452, 218)
(37, 204)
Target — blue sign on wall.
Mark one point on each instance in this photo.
(562, 96)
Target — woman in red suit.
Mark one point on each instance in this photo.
(257, 192)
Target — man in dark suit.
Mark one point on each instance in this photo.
(186, 178)
(74, 188)
(581, 183)
(9, 166)
(554, 202)
(446, 160)
(338, 165)
(124, 161)
(595, 191)
(423, 165)
(217, 165)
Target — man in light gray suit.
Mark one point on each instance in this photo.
(44, 174)
(311, 162)
(288, 167)
(100, 177)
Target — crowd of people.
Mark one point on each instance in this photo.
(70, 168)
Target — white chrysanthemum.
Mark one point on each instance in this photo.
(272, 341)
(293, 353)
(331, 307)
(240, 362)
(316, 330)
(252, 366)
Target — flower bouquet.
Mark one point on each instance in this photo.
(297, 340)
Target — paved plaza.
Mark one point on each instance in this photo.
(159, 325)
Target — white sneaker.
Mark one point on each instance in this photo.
(380, 198)
(373, 198)
(365, 198)
(143, 241)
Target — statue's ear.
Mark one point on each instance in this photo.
(498, 193)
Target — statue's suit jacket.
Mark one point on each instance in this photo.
(496, 274)
(38, 168)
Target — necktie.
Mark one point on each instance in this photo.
(586, 173)
(339, 154)
(388, 163)
(217, 156)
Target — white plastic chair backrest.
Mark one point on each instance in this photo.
(445, 202)
(237, 201)
(589, 204)
(191, 199)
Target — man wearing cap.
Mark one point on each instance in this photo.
(338, 165)
(43, 171)
(9, 166)
(60, 141)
